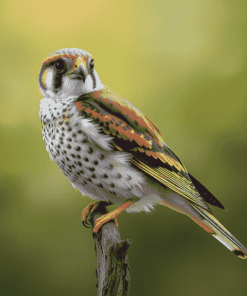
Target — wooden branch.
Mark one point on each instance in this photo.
(113, 277)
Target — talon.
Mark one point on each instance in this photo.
(85, 224)
(87, 213)
(111, 216)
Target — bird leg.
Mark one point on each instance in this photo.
(111, 215)
(89, 210)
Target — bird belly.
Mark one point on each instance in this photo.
(102, 174)
(86, 158)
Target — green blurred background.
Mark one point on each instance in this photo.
(184, 65)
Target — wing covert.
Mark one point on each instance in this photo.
(134, 133)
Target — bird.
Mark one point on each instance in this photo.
(112, 152)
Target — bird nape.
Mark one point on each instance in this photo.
(112, 152)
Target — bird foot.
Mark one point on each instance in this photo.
(102, 220)
(87, 213)
(111, 216)
(90, 209)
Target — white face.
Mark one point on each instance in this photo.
(66, 75)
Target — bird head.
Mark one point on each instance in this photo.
(67, 73)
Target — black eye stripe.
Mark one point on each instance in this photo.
(60, 68)
(58, 80)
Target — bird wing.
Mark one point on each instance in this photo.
(133, 132)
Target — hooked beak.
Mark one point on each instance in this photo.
(80, 73)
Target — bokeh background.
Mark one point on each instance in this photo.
(184, 65)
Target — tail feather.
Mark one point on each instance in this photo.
(216, 229)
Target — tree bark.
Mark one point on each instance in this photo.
(113, 276)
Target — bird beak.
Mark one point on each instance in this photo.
(79, 70)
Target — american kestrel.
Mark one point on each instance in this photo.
(112, 152)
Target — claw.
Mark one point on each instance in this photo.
(111, 216)
(87, 213)
(85, 224)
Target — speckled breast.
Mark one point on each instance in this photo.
(85, 156)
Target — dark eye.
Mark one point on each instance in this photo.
(91, 64)
(60, 66)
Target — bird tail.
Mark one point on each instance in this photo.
(217, 230)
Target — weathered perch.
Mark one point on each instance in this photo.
(113, 276)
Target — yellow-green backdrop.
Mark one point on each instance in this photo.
(184, 65)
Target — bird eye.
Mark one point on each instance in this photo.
(60, 66)
(91, 64)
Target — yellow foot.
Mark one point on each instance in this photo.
(89, 210)
(111, 216)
